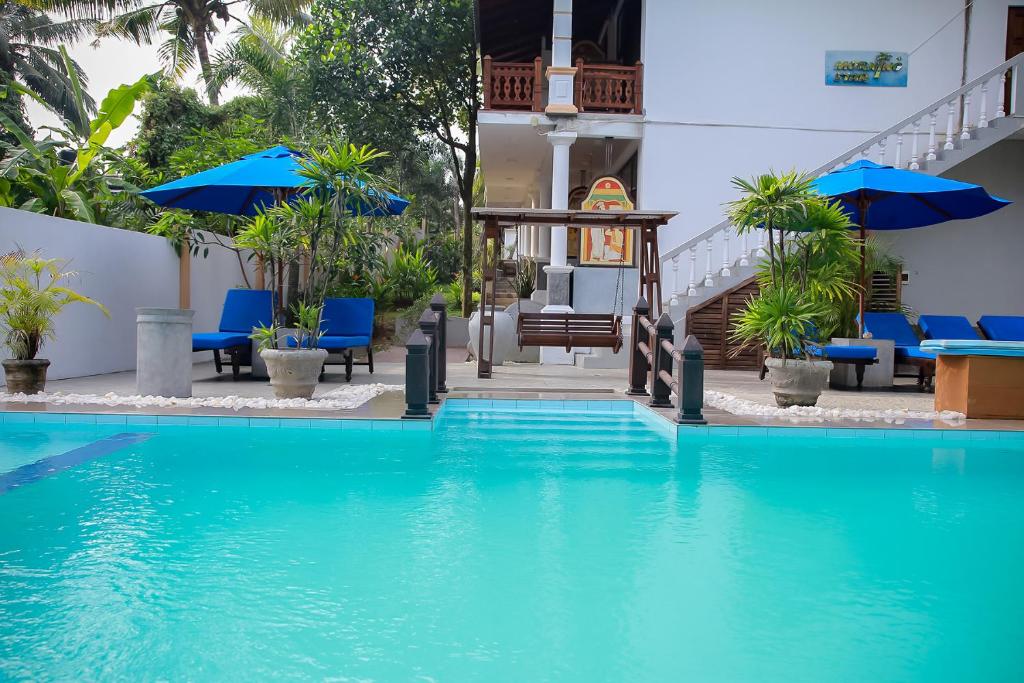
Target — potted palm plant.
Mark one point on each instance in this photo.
(806, 283)
(32, 293)
(295, 370)
(340, 190)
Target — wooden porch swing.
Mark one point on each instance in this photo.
(565, 329)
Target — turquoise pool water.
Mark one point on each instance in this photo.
(511, 547)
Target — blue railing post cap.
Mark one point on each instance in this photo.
(438, 302)
(641, 304)
(664, 322)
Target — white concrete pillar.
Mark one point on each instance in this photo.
(561, 142)
(561, 72)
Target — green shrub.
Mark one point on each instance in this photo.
(409, 276)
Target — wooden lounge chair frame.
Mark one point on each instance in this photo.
(603, 330)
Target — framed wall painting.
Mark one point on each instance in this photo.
(613, 247)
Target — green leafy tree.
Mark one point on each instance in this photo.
(260, 59)
(30, 55)
(401, 68)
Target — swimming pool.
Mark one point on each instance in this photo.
(518, 545)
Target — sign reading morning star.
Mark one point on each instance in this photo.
(858, 67)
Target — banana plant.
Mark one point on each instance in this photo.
(41, 175)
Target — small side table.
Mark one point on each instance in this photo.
(878, 375)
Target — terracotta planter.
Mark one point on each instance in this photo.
(797, 382)
(26, 376)
(294, 373)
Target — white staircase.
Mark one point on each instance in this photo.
(932, 140)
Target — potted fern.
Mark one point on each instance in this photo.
(806, 283)
(32, 293)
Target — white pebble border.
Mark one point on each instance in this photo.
(342, 398)
(742, 406)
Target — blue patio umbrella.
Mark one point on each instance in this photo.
(885, 198)
(254, 182)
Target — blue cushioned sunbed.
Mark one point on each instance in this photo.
(346, 324)
(1002, 327)
(907, 349)
(243, 310)
(947, 327)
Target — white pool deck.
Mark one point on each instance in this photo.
(525, 381)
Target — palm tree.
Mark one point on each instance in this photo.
(191, 25)
(259, 58)
(29, 55)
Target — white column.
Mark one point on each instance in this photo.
(561, 72)
(561, 142)
(558, 271)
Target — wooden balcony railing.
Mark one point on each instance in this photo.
(609, 88)
(513, 85)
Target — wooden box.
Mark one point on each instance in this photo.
(980, 386)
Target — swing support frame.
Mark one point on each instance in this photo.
(645, 223)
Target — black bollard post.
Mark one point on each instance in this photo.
(661, 391)
(428, 326)
(691, 383)
(439, 305)
(417, 377)
(637, 359)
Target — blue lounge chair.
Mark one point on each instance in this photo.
(346, 324)
(947, 327)
(908, 350)
(243, 310)
(1002, 327)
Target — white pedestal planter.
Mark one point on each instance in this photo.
(797, 382)
(294, 373)
(164, 352)
(504, 335)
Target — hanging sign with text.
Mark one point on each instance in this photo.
(876, 69)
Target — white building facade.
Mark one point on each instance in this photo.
(676, 97)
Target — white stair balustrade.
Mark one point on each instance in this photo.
(914, 163)
(931, 137)
(675, 281)
(973, 132)
(725, 272)
(691, 288)
(709, 280)
(965, 132)
(949, 125)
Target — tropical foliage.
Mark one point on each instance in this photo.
(30, 56)
(70, 173)
(32, 293)
(807, 283)
(405, 68)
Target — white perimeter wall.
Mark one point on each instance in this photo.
(737, 88)
(971, 267)
(123, 270)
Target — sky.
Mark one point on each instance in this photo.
(115, 62)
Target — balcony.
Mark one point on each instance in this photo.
(607, 88)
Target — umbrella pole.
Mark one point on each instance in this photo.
(863, 205)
